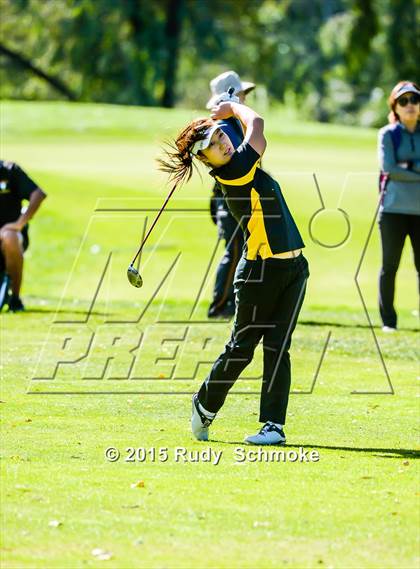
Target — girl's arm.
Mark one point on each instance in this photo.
(253, 123)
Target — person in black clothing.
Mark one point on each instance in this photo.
(223, 302)
(15, 186)
(270, 279)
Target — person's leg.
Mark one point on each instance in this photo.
(223, 294)
(238, 353)
(11, 247)
(277, 369)
(253, 303)
(414, 233)
(393, 231)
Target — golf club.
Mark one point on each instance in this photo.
(133, 274)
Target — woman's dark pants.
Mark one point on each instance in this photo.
(394, 228)
(269, 297)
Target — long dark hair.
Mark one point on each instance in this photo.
(178, 158)
(392, 100)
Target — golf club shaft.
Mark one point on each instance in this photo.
(153, 224)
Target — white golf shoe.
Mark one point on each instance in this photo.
(199, 422)
(270, 434)
(389, 329)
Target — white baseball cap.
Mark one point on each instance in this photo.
(204, 142)
(407, 88)
(223, 82)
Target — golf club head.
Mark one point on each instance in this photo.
(134, 277)
(228, 96)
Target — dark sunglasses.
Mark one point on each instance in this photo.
(413, 99)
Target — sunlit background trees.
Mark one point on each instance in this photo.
(333, 60)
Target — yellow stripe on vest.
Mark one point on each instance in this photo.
(240, 181)
(257, 241)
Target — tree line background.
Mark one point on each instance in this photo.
(334, 60)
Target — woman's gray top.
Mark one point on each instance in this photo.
(403, 166)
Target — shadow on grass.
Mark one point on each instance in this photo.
(301, 322)
(54, 311)
(309, 323)
(343, 325)
(381, 452)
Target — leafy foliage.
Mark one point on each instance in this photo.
(333, 59)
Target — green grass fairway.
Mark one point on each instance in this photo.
(63, 503)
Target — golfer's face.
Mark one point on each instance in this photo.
(220, 149)
(409, 110)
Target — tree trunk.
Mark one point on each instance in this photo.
(135, 13)
(174, 17)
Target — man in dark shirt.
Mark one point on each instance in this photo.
(15, 186)
(223, 302)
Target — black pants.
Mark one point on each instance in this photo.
(223, 293)
(268, 300)
(394, 228)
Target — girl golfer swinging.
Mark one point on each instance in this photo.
(271, 276)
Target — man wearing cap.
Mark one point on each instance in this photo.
(15, 186)
(223, 303)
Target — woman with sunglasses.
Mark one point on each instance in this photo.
(399, 157)
(270, 279)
